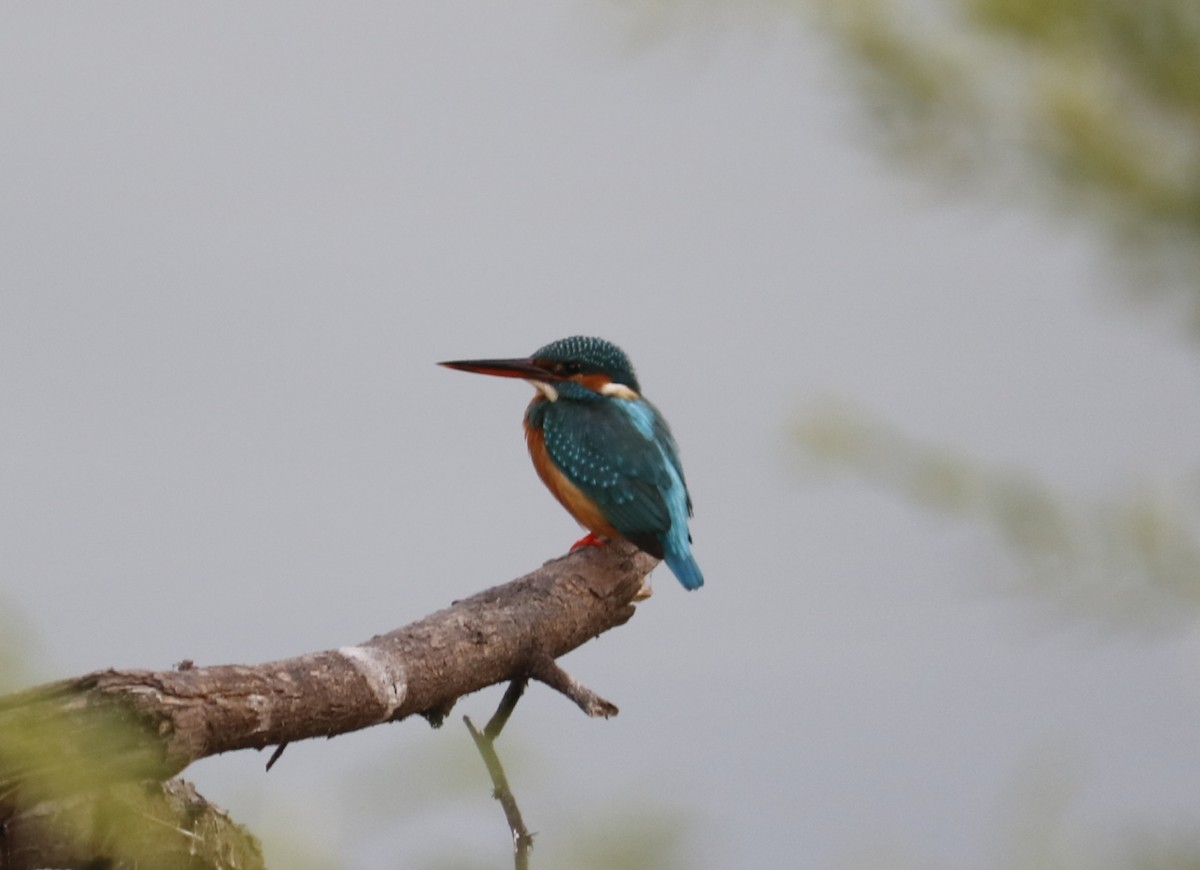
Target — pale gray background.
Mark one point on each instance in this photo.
(235, 239)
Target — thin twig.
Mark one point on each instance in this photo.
(275, 755)
(507, 704)
(485, 742)
(545, 669)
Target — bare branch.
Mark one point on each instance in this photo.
(115, 725)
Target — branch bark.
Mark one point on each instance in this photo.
(116, 726)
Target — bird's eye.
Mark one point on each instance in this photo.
(566, 369)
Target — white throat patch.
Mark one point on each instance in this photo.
(546, 390)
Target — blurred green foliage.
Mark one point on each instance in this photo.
(1133, 561)
(61, 774)
(1091, 105)
(69, 781)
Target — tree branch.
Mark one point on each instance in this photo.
(122, 725)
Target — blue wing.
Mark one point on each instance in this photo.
(622, 455)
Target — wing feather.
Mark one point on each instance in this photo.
(620, 453)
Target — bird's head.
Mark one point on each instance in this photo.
(593, 363)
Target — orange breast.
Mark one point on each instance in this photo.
(578, 505)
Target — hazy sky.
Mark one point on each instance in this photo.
(234, 240)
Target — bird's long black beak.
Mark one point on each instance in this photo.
(503, 368)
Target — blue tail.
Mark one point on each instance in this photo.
(684, 567)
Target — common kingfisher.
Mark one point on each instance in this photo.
(602, 450)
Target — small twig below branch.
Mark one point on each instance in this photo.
(485, 742)
(275, 755)
(545, 669)
(508, 703)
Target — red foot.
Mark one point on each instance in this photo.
(591, 539)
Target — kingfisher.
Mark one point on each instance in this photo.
(602, 450)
